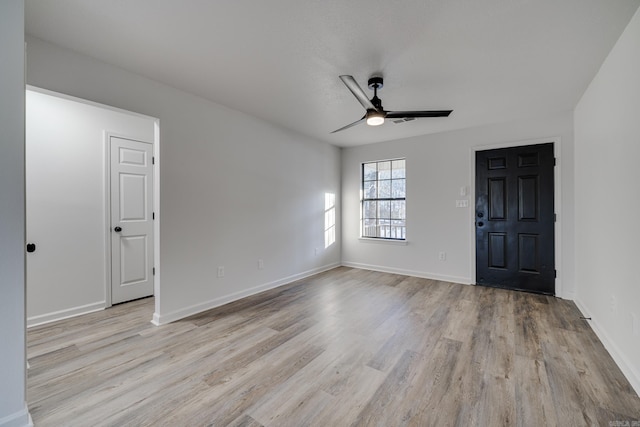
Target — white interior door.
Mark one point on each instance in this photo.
(131, 219)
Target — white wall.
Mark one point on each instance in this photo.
(13, 407)
(437, 166)
(66, 202)
(234, 189)
(607, 135)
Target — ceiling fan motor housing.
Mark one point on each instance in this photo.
(375, 83)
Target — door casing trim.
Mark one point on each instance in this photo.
(557, 186)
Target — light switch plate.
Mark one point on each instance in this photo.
(462, 203)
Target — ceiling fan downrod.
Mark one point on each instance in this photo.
(374, 84)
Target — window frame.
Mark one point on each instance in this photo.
(389, 219)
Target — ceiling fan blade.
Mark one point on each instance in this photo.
(357, 91)
(415, 114)
(351, 124)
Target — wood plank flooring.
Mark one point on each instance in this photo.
(346, 347)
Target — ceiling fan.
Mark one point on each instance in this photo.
(375, 114)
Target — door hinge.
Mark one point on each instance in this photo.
(555, 161)
(555, 274)
(153, 161)
(153, 215)
(555, 217)
(154, 271)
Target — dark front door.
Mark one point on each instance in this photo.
(515, 218)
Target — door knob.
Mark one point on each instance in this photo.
(117, 229)
(480, 224)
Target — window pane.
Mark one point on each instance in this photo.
(384, 189)
(370, 190)
(383, 228)
(397, 188)
(398, 210)
(369, 228)
(384, 170)
(398, 229)
(369, 171)
(384, 209)
(398, 169)
(369, 209)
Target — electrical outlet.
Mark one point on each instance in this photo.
(613, 304)
(220, 272)
(260, 264)
(462, 203)
(442, 256)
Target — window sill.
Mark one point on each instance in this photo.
(383, 241)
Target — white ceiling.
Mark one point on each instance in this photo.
(279, 60)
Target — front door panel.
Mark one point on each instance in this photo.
(515, 218)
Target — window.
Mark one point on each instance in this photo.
(383, 199)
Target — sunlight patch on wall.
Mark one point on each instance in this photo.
(329, 219)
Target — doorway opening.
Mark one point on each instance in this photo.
(68, 204)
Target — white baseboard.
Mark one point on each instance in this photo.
(21, 418)
(627, 368)
(163, 319)
(156, 319)
(64, 314)
(423, 274)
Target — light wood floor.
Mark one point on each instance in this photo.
(346, 347)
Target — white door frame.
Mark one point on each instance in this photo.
(156, 209)
(557, 201)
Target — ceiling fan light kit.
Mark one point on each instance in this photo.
(375, 118)
(375, 114)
